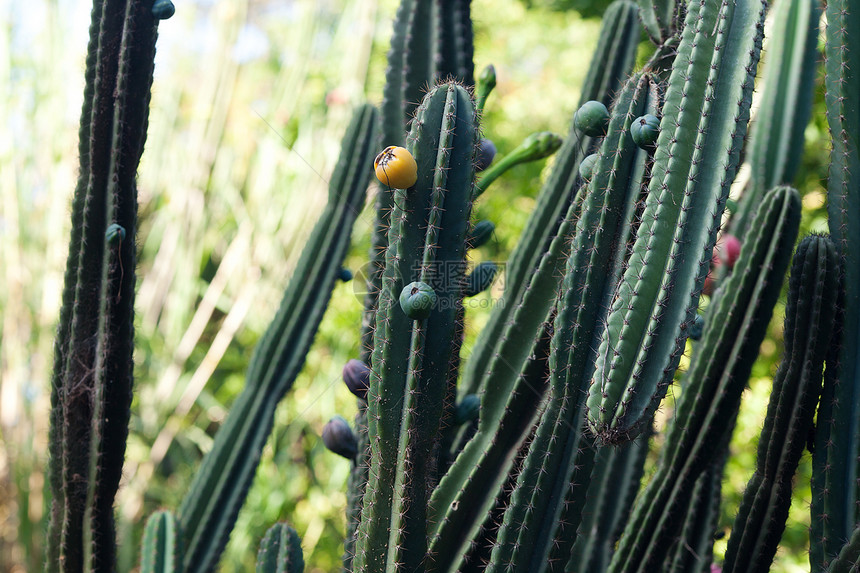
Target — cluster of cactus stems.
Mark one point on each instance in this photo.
(530, 456)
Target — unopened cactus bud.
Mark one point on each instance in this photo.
(486, 154)
(163, 9)
(592, 119)
(697, 327)
(539, 145)
(417, 300)
(644, 130)
(339, 438)
(467, 409)
(344, 274)
(485, 84)
(728, 250)
(586, 167)
(356, 376)
(480, 278)
(115, 234)
(481, 233)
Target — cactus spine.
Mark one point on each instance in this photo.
(702, 129)
(809, 314)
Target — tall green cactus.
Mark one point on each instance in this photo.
(280, 551)
(713, 384)
(812, 291)
(91, 388)
(835, 471)
(702, 129)
(209, 509)
(161, 551)
(411, 359)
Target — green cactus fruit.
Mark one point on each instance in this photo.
(481, 278)
(586, 168)
(115, 234)
(163, 9)
(592, 119)
(339, 438)
(417, 299)
(481, 233)
(697, 327)
(467, 409)
(486, 154)
(644, 130)
(344, 274)
(356, 376)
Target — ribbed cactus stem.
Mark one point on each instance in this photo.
(659, 17)
(701, 132)
(848, 559)
(92, 380)
(809, 315)
(280, 551)
(526, 270)
(413, 355)
(713, 385)
(837, 451)
(776, 142)
(218, 490)
(525, 538)
(162, 544)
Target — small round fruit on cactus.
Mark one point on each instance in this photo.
(356, 376)
(644, 130)
(344, 274)
(586, 166)
(468, 409)
(417, 300)
(697, 327)
(338, 437)
(480, 234)
(115, 234)
(592, 119)
(486, 154)
(728, 250)
(163, 9)
(396, 167)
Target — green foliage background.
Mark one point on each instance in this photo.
(249, 103)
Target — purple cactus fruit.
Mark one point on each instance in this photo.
(356, 376)
(338, 437)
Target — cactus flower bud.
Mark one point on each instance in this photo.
(586, 167)
(356, 376)
(592, 119)
(417, 300)
(480, 278)
(644, 130)
(115, 234)
(467, 409)
(481, 233)
(486, 154)
(485, 84)
(163, 9)
(339, 438)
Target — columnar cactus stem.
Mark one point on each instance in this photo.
(216, 494)
(412, 358)
(280, 551)
(713, 385)
(703, 126)
(162, 544)
(809, 316)
(776, 142)
(92, 380)
(837, 451)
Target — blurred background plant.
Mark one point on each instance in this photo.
(249, 103)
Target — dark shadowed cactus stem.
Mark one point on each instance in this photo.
(209, 510)
(526, 536)
(848, 560)
(612, 62)
(411, 358)
(786, 88)
(92, 381)
(837, 447)
(703, 126)
(280, 551)
(809, 315)
(712, 387)
(162, 544)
